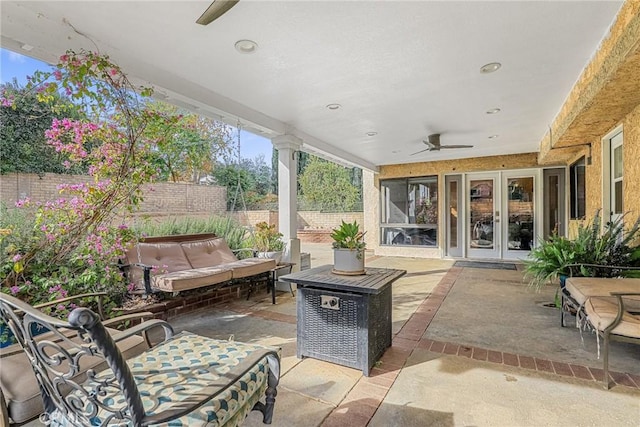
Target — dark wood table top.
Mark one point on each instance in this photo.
(372, 282)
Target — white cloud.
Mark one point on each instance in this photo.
(16, 57)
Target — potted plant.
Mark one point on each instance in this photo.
(268, 241)
(594, 252)
(348, 249)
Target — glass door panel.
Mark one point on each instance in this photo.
(482, 234)
(520, 209)
(454, 224)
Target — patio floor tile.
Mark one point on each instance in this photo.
(321, 380)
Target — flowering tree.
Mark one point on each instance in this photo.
(71, 244)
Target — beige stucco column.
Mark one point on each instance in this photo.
(288, 147)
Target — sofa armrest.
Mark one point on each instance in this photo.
(143, 328)
(620, 268)
(146, 275)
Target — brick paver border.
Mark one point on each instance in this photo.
(374, 388)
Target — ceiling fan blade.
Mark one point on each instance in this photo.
(421, 151)
(456, 146)
(216, 9)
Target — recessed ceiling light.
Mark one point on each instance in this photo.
(492, 136)
(27, 47)
(246, 46)
(372, 133)
(493, 111)
(396, 151)
(333, 106)
(490, 67)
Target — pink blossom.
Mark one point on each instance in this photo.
(57, 74)
(20, 203)
(14, 289)
(17, 258)
(131, 287)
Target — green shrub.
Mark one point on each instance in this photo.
(591, 254)
(233, 233)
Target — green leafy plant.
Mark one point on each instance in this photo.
(549, 260)
(595, 252)
(348, 236)
(233, 233)
(267, 238)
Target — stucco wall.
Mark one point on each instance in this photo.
(631, 166)
(477, 164)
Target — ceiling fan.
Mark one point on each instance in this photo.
(216, 9)
(433, 144)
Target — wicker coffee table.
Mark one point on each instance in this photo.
(344, 319)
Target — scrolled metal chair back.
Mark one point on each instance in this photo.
(57, 356)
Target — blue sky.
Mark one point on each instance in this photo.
(13, 64)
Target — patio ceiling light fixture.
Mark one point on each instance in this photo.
(372, 133)
(490, 67)
(334, 106)
(246, 46)
(492, 136)
(493, 111)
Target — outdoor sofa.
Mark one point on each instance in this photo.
(183, 262)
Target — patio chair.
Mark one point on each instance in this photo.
(186, 379)
(20, 398)
(610, 321)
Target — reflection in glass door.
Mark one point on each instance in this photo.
(520, 208)
(454, 217)
(483, 235)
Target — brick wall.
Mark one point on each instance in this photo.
(166, 199)
(161, 198)
(307, 220)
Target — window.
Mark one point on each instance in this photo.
(409, 211)
(577, 189)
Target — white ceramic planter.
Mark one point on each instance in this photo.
(348, 262)
(271, 255)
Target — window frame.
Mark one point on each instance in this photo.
(412, 231)
(577, 181)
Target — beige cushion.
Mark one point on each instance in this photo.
(250, 267)
(19, 384)
(582, 288)
(190, 279)
(208, 253)
(601, 314)
(161, 255)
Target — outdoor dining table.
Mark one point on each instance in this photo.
(344, 319)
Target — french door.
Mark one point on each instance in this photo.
(483, 216)
(501, 214)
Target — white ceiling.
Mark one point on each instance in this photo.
(401, 69)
